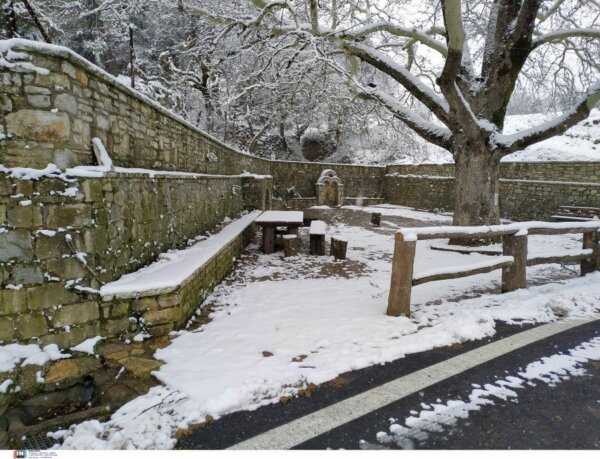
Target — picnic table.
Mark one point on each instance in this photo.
(272, 219)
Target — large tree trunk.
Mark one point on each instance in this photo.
(476, 187)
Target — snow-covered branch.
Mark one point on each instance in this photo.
(410, 82)
(396, 30)
(564, 34)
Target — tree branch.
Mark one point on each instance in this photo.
(397, 31)
(411, 83)
(565, 34)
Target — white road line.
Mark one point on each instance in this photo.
(326, 419)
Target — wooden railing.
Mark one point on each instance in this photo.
(513, 262)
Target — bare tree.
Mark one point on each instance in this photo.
(460, 63)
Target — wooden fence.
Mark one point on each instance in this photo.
(513, 262)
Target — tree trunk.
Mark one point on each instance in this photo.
(476, 188)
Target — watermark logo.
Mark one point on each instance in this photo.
(20, 454)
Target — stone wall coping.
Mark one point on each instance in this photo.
(325, 165)
(100, 172)
(550, 182)
(501, 162)
(173, 269)
(507, 180)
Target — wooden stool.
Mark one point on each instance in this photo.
(291, 243)
(317, 232)
(338, 248)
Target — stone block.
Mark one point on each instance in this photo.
(140, 367)
(39, 125)
(92, 190)
(61, 370)
(27, 274)
(19, 216)
(47, 247)
(163, 316)
(66, 103)
(7, 330)
(75, 314)
(115, 327)
(144, 304)
(38, 100)
(65, 268)
(6, 104)
(12, 301)
(31, 325)
(49, 295)
(61, 216)
(67, 68)
(15, 245)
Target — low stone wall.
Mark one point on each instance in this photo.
(60, 234)
(519, 199)
(587, 172)
(291, 177)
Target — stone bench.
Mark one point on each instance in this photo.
(317, 232)
(167, 292)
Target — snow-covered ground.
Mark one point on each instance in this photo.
(280, 324)
(580, 143)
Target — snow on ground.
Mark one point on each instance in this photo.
(439, 416)
(580, 143)
(279, 324)
(390, 210)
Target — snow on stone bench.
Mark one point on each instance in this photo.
(173, 268)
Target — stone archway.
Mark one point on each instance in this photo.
(329, 189)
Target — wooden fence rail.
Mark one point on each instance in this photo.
(513, 262)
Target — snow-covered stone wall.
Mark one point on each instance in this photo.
(53, 102)
(297, 179)
(567, 171)
(62, 237)
(519, 199)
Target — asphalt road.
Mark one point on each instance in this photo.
(563, 417)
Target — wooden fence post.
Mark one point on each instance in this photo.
(402, 276)
(591, 241)
(515, 276)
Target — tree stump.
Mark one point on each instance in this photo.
(338, 248)
(376, 218)
(291, 243)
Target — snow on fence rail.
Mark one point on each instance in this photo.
(513, 262)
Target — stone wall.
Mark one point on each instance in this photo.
(60, 233)
(53, 102)
(519, 199)
(551, 171)
(358, 180)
